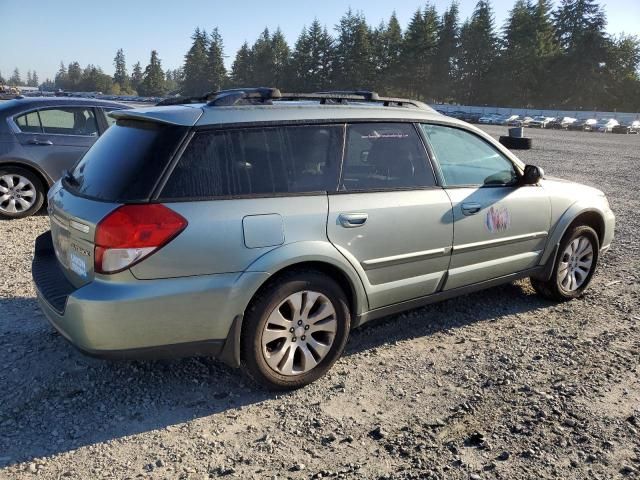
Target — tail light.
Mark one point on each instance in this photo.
(133, 232)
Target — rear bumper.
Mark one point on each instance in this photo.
(134, 318)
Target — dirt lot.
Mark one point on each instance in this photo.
(499, 384)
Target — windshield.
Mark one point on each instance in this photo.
(126, 162)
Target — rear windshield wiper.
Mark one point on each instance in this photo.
(68, 177)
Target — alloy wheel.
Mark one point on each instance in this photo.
(17, 193)
(575, 264)
(299, 333)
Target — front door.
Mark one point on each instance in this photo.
(388, 218)
(500, 227)
(55, 138)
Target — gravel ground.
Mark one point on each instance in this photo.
(499, 384)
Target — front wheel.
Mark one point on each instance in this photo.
(574, 266)
(295, 330)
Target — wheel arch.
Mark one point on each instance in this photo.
(575, 215)
(297, 256)
(46, 180)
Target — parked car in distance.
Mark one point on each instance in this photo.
(520, 122)
(506, 119)
(631, 127)
(489, 119)
(561, 123)
(41, 137)
(227, 227)
(540, 121)
(585, 125)
(605, 125)
(471, 117)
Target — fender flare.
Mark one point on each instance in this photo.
(278, 259)
(566, 219)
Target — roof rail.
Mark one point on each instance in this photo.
(266, 95)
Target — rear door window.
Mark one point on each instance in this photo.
(385, 156)
(69, 121)
(127, 161)
(29, 123)
(258, 161)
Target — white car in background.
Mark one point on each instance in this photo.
(540, 121)
(605, 125)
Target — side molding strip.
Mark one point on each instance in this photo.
(468, 247)
(405, 258)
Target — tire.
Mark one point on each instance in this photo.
(282, 364)
(21, 193)
(556, 288)
(515, 143)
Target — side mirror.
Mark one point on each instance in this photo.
(532, 175)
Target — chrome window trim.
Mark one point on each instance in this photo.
(16, 129)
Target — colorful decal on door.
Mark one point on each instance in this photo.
(498, 219)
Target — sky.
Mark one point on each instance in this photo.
(38, 34)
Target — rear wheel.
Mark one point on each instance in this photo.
(21, 192)
(575, 265)
(295, 330)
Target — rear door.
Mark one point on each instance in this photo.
(500, 227)
(56, 138)
(388, 218)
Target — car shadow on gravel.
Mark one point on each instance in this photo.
(54, 399)
(448, 316)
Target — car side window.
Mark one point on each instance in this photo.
(383, 156)
(466, 159)
(69, 121)
(29, 123)
(258, 161)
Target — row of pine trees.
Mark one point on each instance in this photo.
(541, 57)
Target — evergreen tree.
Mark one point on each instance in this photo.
(62, 79)
(386, 42)
(421, 41)
(353, 67)
(2, 80)
(312, 59)
(263, 60)
(29, 79)
(35, 81)
(216, 72)
(120, 75)
(580, 30)
(446, 55)
(281, 60)
(196, 76)
(242, 68)
(15, 79)
(74, 75)
(478, 54)
(153, 78)
(136, 76)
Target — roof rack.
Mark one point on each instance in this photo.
(266, 96)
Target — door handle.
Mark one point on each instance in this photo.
(471, 208)
(35, 141)
(352, 220)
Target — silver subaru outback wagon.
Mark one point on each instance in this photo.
(261, 227)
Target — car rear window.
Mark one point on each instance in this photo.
(258, 161)
(126, 162)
